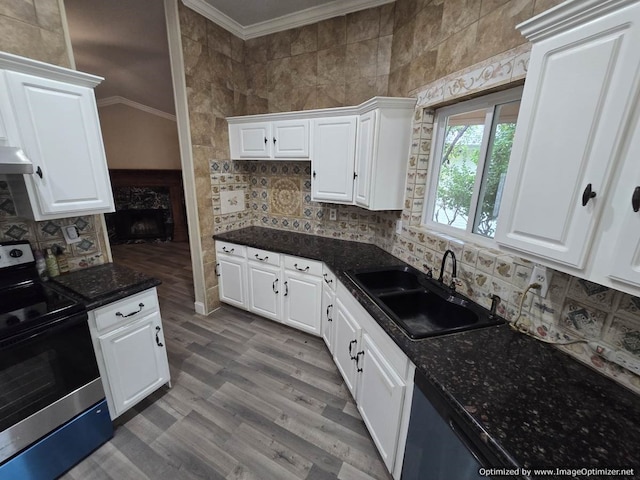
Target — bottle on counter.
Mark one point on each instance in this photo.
(41, 265)
(61, 258)
(52, 263)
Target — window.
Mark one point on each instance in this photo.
(471, 151)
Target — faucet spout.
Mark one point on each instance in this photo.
(454, 266)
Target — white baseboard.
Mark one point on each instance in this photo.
(199, 306)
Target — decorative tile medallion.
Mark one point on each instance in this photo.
(585, 321)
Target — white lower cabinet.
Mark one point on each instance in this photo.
(347, 340)
(302, 301)
(264, 290)
(231, 269)
(305, 295)
(130, 350)
(378, 374)
(328, 312)
(380, 395)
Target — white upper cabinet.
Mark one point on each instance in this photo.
(576, 102)
(333, 156)
(358, 154)
(384, 137)
(620, 259)
(56, 121)
(269, 140)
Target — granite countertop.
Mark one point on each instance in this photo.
(103, 284)
(533, 405)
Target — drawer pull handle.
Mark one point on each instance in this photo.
(39, 172)
(329, 307)
(275, 282)
(262, 259)
(358, 369)
(224, 249)
(351, 344)
(295, 265)
(140, 307)
(587, 195)
(216, 269)
(158, 342)
(635, 199)
(286, 288)
(328, 282)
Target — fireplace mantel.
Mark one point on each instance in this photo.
(158, 178)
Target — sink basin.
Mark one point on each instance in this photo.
(419, 305)
(423, 313)
(381, 282)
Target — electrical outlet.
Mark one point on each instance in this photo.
(398, 226)
(333, 214)
(541, 276)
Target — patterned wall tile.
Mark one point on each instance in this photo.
(593, 293)
(581, 319)
(624, 334)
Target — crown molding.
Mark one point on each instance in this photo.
(297, 19)
(567, 15)
(105, 102)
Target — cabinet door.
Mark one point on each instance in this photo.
(332, 159)
(623, 261)
(251, 140)
(135, 360)
(60, 133)
(232, 279)
(264, 290)
(291, 139)
(346, 342)
(364, 157)
(380, 396)
(573, 106)
(302, 301)
(328, 311)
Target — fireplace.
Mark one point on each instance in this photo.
(141, 224)
(149, 206)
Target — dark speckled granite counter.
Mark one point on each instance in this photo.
(531, 404)
(97, 286)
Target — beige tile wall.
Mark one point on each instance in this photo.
(336, 62)
(216, 85)
(432, 39)
(33, 29)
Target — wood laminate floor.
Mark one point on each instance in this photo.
(251, 399)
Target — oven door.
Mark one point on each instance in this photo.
(48, 375)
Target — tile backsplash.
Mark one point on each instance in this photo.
(572, 309)
(46, 234)
(278, 195)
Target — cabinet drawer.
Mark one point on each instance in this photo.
(126, 310)
(263, 256)
(311, 267)
(329, 278)
(231, 249)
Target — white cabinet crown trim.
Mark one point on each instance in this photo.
(371, 104)
(567, 15)
(16, 63)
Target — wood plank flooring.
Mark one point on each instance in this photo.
(251, 399)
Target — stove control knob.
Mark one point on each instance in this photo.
(15, 253)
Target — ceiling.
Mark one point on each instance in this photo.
(125, 41)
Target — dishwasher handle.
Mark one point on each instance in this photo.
(467, 442)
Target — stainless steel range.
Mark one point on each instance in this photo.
(52, 407)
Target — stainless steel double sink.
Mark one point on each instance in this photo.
(419, 305)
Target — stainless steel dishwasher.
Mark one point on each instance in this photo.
(438, 448)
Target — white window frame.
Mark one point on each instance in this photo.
(440, 120)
